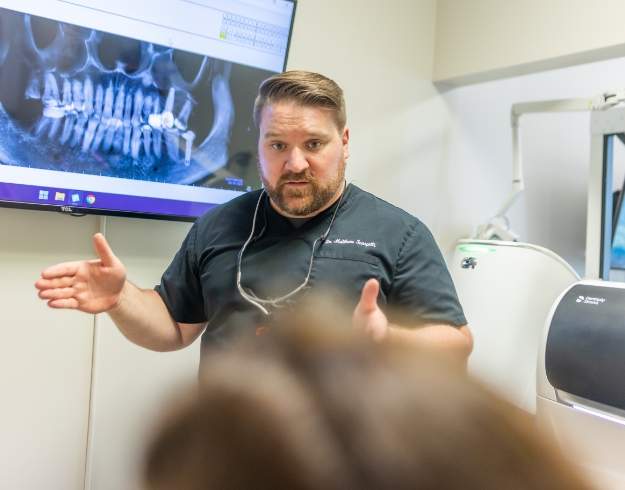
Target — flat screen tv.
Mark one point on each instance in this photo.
(134, 107)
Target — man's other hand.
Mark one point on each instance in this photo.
(368, 317)
(93, 286)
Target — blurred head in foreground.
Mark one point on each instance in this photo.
(314, 407)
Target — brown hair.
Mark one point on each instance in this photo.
(302, 88)
(318, 409)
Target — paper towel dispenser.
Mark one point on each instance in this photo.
(580, 379)
(585, 350)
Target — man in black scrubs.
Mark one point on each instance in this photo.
(308, 232)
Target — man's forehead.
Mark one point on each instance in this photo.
(276, 133)
(284, 118)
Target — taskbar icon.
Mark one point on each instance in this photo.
(65, 197)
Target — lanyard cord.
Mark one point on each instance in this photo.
(263, 303)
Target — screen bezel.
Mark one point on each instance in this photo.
(84, 211)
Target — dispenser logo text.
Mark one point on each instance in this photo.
(589, 300)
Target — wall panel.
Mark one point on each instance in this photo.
(45, 355)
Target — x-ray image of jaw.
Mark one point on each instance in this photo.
(80, 100)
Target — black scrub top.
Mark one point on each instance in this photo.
(369, 238)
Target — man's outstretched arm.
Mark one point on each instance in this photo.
(98, 286)
(455, 341)
(143, 318)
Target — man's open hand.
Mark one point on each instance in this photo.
(368, 317)
(92, 286)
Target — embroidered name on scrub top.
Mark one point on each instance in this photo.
(356, 242)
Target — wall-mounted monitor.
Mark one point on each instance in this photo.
(134, 107)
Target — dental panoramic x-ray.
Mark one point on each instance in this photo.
(83, 101)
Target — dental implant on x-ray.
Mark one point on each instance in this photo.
(114, 119)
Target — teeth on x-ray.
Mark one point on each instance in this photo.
(68, 126)
(134, 120)
(183, 118)
(167, 116)
(33, 91)
(50, 91)
(88, 96)
(77, 93)
(115, 118)
(156, 117)
(147, 138)
(79, 130)
(99, 99)
(127, 125)
(67, 94)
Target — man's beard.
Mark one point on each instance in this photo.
(309, 199)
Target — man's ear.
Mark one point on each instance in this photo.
(346, 142)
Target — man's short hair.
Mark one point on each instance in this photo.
(302, 88)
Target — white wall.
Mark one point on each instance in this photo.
(556, 151)
(482, 40)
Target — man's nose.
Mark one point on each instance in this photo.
(296, 162)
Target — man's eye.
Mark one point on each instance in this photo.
(315, 144)
(278, 146)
